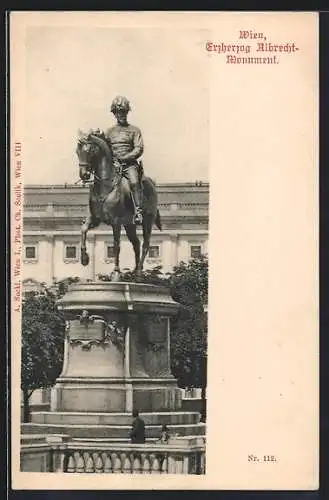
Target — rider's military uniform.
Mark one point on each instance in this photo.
(127, 142)
(127, 146)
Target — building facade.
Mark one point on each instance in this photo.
(52, 220)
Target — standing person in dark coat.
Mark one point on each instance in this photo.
(137, 434)
(164, 437)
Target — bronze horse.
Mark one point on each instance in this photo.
(110, 201)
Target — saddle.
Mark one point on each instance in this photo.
(140, 170)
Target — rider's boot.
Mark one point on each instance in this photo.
(138, 217)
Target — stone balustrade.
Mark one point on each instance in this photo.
(58, 453)
(67, 208)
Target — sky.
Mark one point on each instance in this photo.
(72, 75)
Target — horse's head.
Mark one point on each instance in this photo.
(91, 147)
(84, 152)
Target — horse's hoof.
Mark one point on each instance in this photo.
(115, 276)
(84, 258)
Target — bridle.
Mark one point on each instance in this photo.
(93, 176)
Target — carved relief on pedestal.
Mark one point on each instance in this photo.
(115, 334)
(150, 345)
(88, 330)
(155, 328)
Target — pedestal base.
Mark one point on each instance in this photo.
(115, 395)
(116, 360)
(112, 426)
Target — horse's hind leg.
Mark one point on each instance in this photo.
(88, 224)
(133, 238)
(147, 230)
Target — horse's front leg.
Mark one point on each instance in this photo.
(116, 275)
(87, 224)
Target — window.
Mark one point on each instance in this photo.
(195, 251)
(154, 252)
(30, 252)
(70, 252)
(110, 252)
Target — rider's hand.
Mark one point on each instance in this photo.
(121, 160)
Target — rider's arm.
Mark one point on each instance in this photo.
(107, 134)
(137, 149)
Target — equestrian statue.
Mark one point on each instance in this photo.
(120, 194)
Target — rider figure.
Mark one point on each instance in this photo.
(127, 146)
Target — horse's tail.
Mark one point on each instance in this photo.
(158, 220)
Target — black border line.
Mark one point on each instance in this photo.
(323, 492)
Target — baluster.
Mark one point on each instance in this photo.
(203, 463)
(103, 456)
(107, 464)
(90, 464)
(80, 464)
(178, 465)
(76, 456)
(116, 463)
(126, 464)
(155, 466)
(137, 466)
(71, 464)
(192, 464)
(99, 467)
(164, 465)
(146, 466)
(66, 460)
(186, 462)
(132, 458)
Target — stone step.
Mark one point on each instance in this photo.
(33, 438)
(109, 431)
(155, 418)
(155, 440)
(103, 440)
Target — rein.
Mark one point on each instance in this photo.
(118, 170)
(117, 166)
(83, 182)
(90, 181)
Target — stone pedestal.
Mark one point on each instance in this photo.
(117, 349)
(116, 359)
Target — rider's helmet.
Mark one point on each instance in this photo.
(120, 103)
